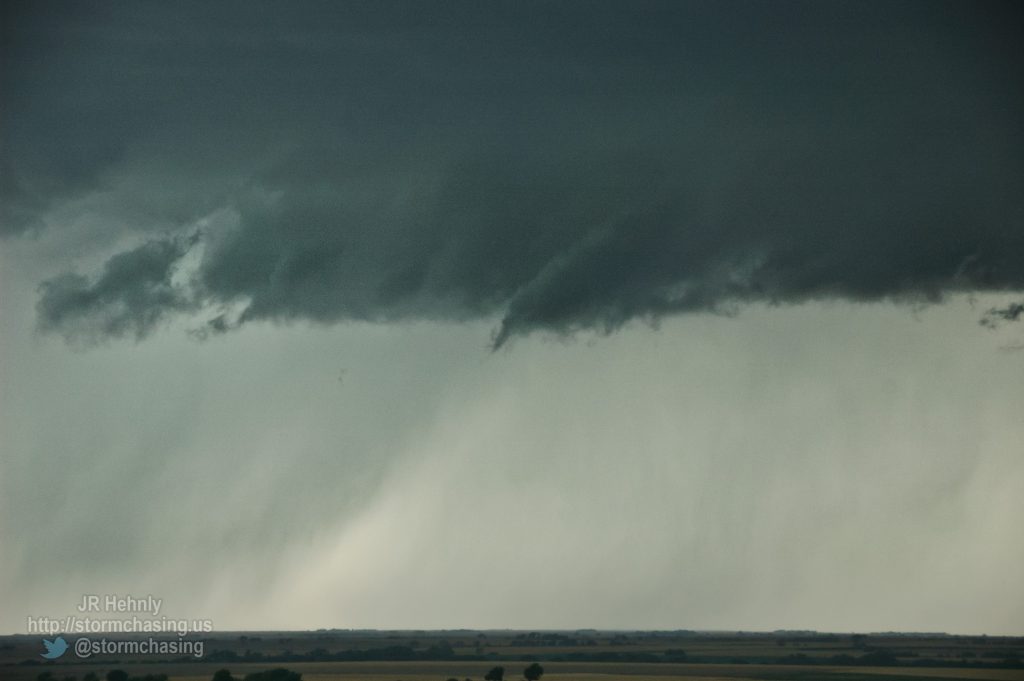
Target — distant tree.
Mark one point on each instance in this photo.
(533, 672)
(117, 675)
(878, 658)
(496, 674)
(279, 674)
(223, 675)
(439, 651)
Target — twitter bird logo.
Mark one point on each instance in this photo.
(54, 648)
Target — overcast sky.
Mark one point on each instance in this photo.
(640, 315)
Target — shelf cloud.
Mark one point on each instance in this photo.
(552, 166)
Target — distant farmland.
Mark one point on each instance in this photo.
(566, 656)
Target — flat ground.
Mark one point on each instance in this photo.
(566, 656)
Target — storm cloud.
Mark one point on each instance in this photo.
(130, 297)
(359, 200)
(557, 166)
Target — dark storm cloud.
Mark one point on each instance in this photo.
(562, 165)
(997, 315)
(132, 295)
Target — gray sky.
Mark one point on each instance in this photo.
(685, 315)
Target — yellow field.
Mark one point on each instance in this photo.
(328, 672)
(938, 673)
(440, 671)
